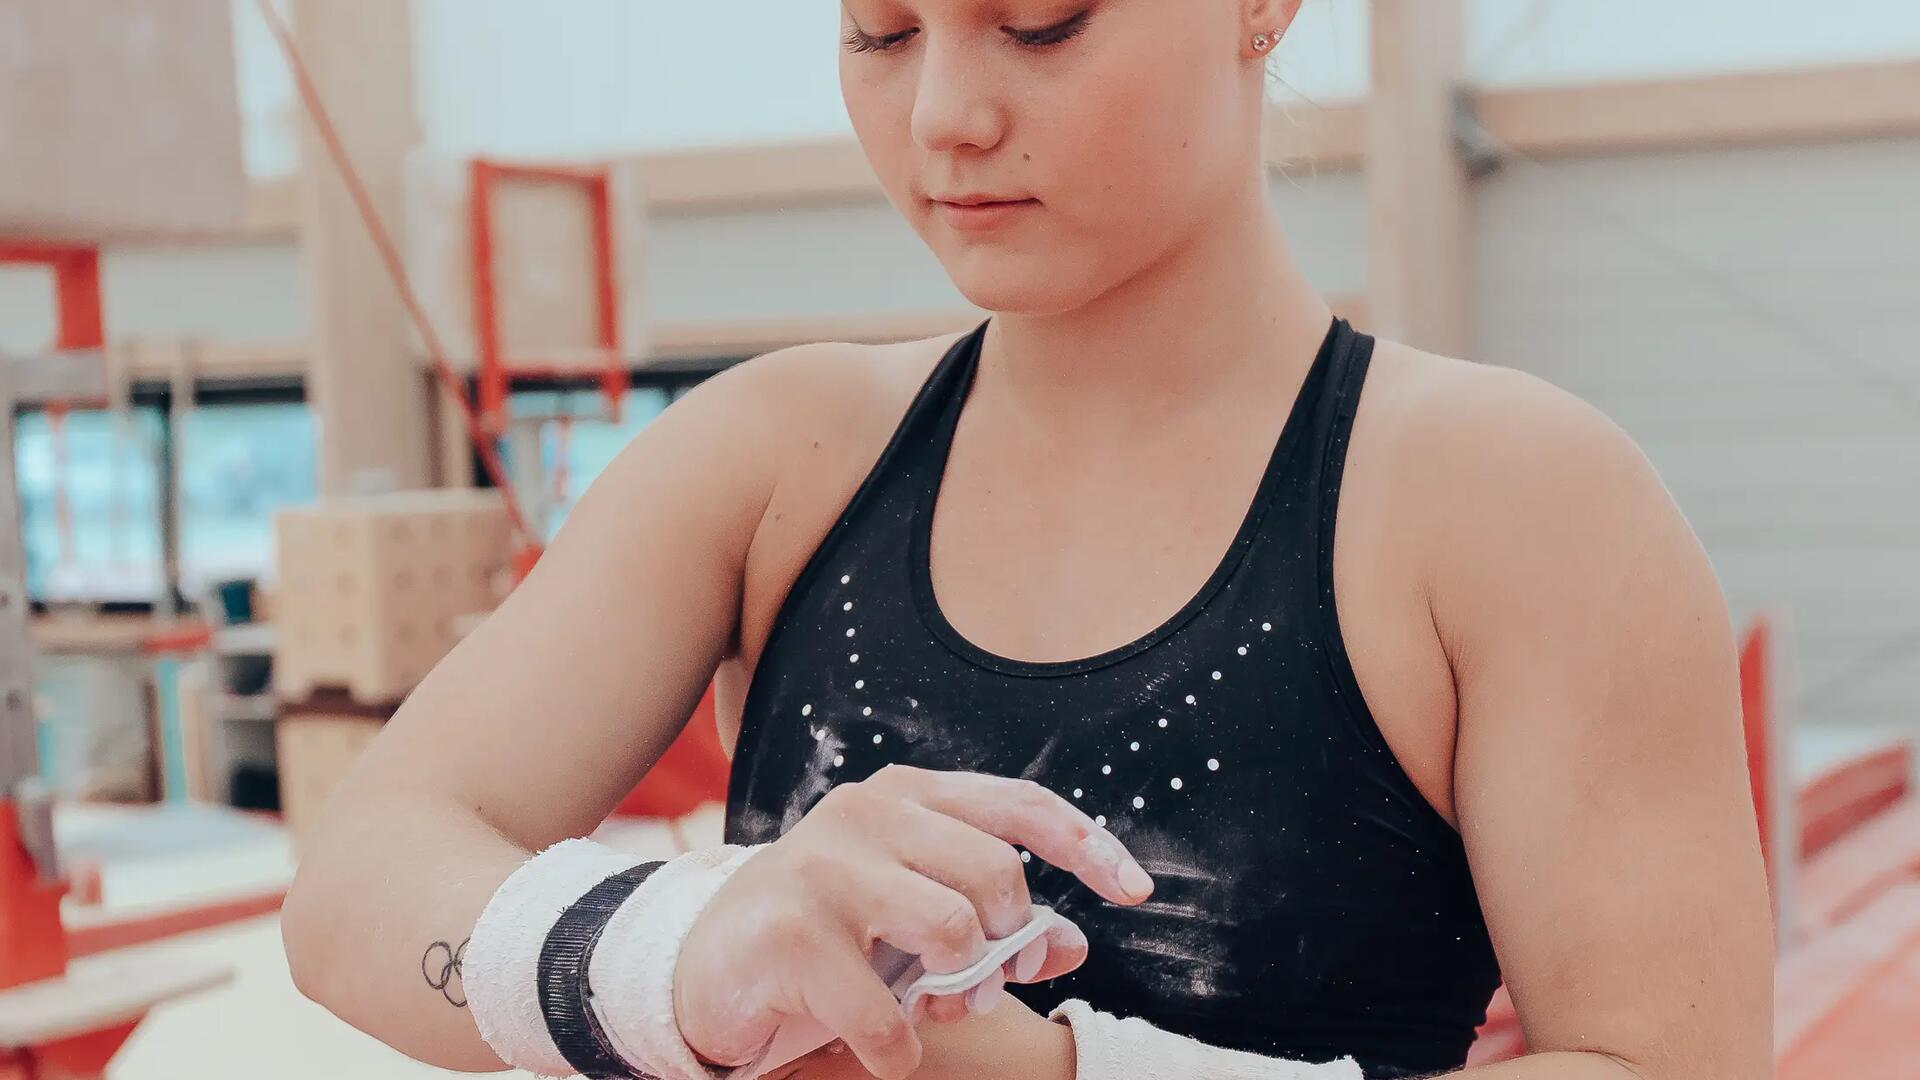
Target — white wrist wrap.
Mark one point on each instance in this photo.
(500, 969)
(630, 972)
(1107, 1047)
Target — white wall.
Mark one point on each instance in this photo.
(27, 301)
(1801, 473)
(510, 76)
(237, 292)
(1532, 42)
(228, 292)
(271, 143)
(535, 78)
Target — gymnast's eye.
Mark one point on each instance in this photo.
(1052, 35)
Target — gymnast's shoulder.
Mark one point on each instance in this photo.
(827, 397)
(797, 423)
(1501, 480)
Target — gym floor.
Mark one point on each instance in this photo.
(153, 859)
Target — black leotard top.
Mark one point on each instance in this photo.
(1309, 902)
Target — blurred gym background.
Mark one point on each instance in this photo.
(242, 508)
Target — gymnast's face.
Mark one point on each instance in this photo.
(1101, 132)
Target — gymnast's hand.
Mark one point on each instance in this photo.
(924, 861)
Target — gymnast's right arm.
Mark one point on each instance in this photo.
(537, 724)
(422, 914)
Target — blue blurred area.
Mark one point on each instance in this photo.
(106, 467)
(240, 463)
(590, 443)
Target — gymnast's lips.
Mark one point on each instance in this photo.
(982, 213)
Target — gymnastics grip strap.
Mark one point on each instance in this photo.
(565, 995)
(1107, 1047)
(628, 961)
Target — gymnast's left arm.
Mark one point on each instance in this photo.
(1599, 770)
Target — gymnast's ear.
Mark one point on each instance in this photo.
(1271, 17)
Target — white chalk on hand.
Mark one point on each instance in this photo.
(910, 982)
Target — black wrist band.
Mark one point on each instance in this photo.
(562, 974)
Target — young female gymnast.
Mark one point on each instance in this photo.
(1396, 675)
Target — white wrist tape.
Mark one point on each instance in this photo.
(631, 970)
(1107, 1047)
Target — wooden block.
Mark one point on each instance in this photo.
(371, 586)
(314, 750)
(118, 119)
(543, 262)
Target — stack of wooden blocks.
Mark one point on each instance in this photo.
(370, 590)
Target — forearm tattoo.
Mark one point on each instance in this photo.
(441, 967)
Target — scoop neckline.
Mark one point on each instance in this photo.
(927, 603)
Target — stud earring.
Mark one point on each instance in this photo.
(1264, 41)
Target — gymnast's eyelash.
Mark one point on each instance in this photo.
(858, 41)
(1052, 35)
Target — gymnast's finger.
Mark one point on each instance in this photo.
(982, 867)
(845, 996)
(1025, 813)
(1060, 950)
(912, 913)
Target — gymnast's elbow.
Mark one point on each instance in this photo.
(348, 887)
(301, 935)
(310, 926)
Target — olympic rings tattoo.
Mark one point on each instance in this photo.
(440, 965)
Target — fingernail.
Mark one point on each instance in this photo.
(1135, 880)
(982, 999)
(1030, 960)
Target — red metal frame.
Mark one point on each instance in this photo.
(1846, 797)
(496, 371)
(158, 926)
(79, 325)
(79, 1057)
(1756, 714)
(33, 943)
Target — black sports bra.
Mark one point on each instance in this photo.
(1309, 902)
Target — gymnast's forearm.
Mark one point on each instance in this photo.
(377, 921)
